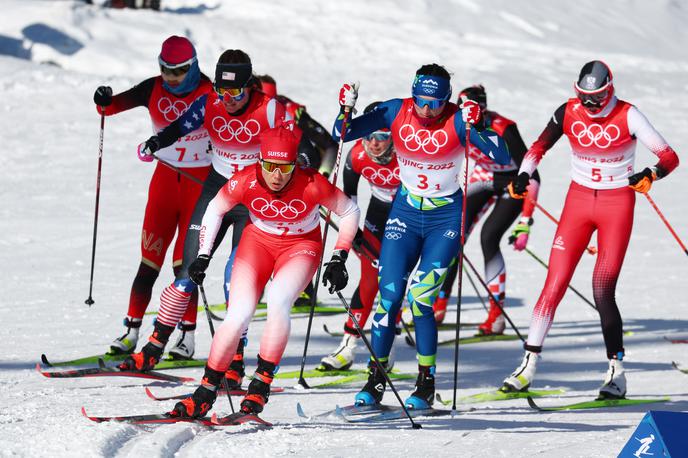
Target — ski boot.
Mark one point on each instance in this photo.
(259, 388)
(495, 322)
(424, 395)
(615, 382)
(185, 346)
(127, 343)
(235, 374)
(524, 374)
(374, 389)
(343, 357)
(439, 307)
(150, 354)
(202, 400)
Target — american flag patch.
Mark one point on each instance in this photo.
(228, 76)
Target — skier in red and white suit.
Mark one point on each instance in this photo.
(282, 240)
(602, 131)
(171, 195)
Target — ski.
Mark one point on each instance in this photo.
(397, 413)
(239, 418)
(674, 364)
(320, 372)
(166, 363)
(676, 341)
(339, 334)
(148, 419)
(595, 404)
(498, 395)
(104, 371)
(297, 309)
(342, 412)
(220, 392)
(479, 339)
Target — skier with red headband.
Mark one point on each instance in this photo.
(372, 158)
(429, 135)
(282, 240)
(171, 195)
(234, 115)
(602, 131)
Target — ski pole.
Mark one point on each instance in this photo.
(90, 300)
(377, 362)
(179, 171)
(461, 258)
(671, 229)
(544, 264)
(302, 382)
(591, 249)
(212, 334)
(494, 299)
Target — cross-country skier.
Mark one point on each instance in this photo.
(171, 195)
(487, 186)
(372, 158)
(234, 115)
(429, 135)
(283, 241)
(602, 131)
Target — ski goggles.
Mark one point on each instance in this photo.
(237, 93)
(283, 168)
(175, 69)
(379, 135)
(433, 104)
(594, 98)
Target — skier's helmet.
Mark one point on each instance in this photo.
(595, 86)
(475, 93)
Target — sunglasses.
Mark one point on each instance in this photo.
(237, 93)
(176, 71)
(433, 104)
(379, 135)
(271, 167)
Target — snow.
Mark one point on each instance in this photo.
(55, 53)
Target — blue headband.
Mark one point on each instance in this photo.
(431, 86)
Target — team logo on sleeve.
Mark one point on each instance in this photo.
(171, 110)
(602, 137)
(234, 129)
(271, 209)
(422, 139)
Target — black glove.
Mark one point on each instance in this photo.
(198, 267)
(518, 187)
(335, 272)
(103, 96)
(146, 149)
(500, 180)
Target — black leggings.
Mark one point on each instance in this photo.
(236, 216)
(503, 215)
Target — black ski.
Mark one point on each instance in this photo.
(103, 371)
(149, 419)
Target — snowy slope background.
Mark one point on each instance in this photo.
(527, 54)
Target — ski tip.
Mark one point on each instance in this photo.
(532, 404)
(44, 360)
(150, 394)
(40, 371)
(300, 412)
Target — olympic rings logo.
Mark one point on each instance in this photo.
(429, 142)
(275, 208)
(602, 137)
(171, 110)
(381, 177)
(393, 235)
(234, 129)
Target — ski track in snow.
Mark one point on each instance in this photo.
(526, 53)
